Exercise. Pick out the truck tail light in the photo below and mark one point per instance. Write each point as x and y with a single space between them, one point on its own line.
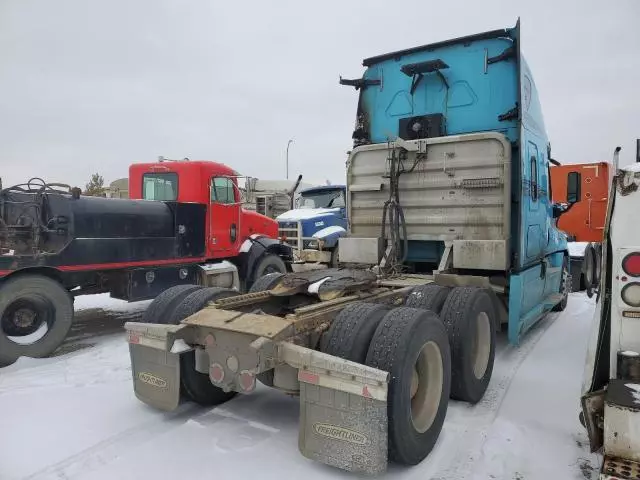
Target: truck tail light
631 294
631 264
247 381
216 373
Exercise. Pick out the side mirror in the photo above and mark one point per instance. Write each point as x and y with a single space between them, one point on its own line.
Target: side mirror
574 180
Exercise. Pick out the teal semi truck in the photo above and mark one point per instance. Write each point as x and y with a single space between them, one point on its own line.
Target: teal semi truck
451 236
451 156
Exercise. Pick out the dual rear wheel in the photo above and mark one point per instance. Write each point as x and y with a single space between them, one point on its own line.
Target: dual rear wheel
440 345
170 308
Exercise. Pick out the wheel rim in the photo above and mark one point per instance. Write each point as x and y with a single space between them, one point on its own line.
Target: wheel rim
27 317
481 345
426 386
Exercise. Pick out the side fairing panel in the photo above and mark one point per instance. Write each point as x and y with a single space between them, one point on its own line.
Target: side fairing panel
532 294
471 93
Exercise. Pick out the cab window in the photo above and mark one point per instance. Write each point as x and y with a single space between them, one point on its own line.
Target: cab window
222 190
323 198
339 201
160 186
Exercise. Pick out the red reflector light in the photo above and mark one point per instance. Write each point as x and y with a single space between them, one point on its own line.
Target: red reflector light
247 381
216 373
631 264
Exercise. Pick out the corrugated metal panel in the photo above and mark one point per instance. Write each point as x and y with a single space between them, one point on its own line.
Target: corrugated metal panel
459 190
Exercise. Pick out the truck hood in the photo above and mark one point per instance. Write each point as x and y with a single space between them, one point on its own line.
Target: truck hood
305 214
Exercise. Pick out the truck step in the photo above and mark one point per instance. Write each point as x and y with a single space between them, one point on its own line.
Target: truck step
619 468
552 300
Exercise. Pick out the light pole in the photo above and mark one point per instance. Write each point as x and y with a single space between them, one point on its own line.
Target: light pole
288 143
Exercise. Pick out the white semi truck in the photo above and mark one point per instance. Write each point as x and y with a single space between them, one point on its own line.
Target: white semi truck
611 389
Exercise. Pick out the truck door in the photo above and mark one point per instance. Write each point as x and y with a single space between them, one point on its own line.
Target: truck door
535 218
224 217
340 202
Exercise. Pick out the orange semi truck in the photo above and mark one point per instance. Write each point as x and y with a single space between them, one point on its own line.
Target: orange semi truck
585 220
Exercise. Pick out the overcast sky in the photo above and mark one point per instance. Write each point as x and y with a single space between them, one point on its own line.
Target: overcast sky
92 86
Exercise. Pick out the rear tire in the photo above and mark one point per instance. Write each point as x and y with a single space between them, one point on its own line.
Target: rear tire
470 319
577 280
412 345
266 282
429 297
6 363
597 249
37 299
565 286
351 331
162 307
270 263
195 385
589 269
335 257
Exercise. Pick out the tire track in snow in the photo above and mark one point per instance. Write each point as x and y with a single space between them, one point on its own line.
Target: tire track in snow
472 426
240 433
105 364
106 451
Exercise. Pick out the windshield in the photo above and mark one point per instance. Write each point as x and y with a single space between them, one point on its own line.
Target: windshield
321 199
160 186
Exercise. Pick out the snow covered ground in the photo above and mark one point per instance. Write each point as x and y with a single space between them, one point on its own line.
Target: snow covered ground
576 249
75 416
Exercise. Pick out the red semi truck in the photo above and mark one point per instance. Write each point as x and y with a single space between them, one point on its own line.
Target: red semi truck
184 224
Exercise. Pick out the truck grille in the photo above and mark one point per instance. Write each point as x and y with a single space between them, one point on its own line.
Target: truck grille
290 231
261 205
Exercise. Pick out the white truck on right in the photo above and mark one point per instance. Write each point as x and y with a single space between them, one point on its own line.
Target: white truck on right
611 390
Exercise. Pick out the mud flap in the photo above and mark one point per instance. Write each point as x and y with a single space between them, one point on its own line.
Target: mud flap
343 411
156 376
155 369
342 429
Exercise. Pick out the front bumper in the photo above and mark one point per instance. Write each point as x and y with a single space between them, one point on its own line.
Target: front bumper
310 256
